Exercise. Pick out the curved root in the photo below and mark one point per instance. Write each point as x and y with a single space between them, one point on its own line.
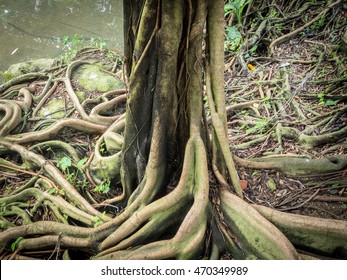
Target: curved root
324 236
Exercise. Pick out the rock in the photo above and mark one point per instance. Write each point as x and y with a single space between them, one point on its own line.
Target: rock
54 109
31 66
90 77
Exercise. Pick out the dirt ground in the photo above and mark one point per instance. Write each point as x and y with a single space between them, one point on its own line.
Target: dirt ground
294 88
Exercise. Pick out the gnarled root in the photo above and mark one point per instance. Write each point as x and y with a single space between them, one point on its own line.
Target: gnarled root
256 236
158 217
324 236
296 165
12 117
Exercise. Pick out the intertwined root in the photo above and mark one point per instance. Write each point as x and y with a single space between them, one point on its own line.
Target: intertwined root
164 135
182 211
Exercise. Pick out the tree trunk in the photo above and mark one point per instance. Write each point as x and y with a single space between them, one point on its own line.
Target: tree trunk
173 58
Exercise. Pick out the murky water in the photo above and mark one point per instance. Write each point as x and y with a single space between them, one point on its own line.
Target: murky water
31 29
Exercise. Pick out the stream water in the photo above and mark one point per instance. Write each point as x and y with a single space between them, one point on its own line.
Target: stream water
31 29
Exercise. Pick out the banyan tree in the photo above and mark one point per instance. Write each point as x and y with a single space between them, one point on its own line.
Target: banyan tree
172 184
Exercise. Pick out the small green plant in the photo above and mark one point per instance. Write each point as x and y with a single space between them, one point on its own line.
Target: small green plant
253 49
8 190
15 244
314 27
97 221
52 191
259 126
233 40
267 105
330 102
103 187
98 43
103 149
321 98
80 163
279 27
65 163
236 7
71 45
114 57
318 24
323 102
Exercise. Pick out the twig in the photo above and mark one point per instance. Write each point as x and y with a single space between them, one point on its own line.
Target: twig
329 198
303 203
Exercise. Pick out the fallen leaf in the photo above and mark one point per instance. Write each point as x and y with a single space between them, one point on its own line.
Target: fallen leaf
251 67
243 184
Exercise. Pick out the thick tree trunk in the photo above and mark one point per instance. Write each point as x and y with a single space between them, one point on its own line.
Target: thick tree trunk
164 62
165 132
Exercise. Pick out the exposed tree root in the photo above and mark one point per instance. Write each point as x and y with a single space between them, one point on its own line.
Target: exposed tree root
12 116
265 241
308 141
327 237
162 176
63 206
20 79
296 165
107 167
55 129
55 174
148 223
56 144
